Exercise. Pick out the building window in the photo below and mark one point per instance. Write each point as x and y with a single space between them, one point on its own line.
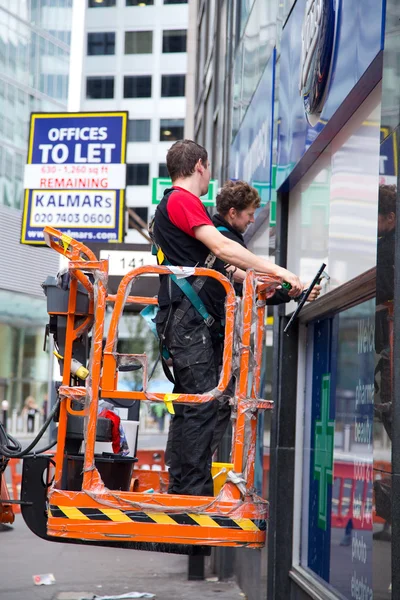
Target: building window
137 174
139 2
172 86
99 87
101 43
174 40
175 1
142 212
100 3
137 86
139 130
138 42
171 130
163 171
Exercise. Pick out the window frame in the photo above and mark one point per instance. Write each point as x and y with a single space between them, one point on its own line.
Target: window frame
130 129
159 174
148 3
137 77
170 76
171 33
137 165
127 33
104 78
105 44
107 4
171 138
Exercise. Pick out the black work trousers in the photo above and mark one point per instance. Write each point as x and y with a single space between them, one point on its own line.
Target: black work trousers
196 353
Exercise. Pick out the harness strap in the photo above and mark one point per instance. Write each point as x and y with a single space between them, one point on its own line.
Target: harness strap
190 291
192 294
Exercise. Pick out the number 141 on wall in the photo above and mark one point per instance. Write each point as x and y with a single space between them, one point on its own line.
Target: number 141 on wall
120 262
133 263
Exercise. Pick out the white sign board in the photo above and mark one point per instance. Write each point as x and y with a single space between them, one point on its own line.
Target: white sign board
86 209
75 177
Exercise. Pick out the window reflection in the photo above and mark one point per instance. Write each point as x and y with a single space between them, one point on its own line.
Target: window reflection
333 210
38 57
258 26
383 380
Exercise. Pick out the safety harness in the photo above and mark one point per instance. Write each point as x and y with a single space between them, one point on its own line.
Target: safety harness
190 291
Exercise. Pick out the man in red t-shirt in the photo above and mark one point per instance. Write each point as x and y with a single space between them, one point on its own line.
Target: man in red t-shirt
185 233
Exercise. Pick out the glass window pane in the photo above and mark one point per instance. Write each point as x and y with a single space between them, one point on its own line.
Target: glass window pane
101 3
139 130
138 42
171 130
326 227
175 1
142 212
139 2
162 170
172 86
101 43
137 174
174 40
99 87
244 11
137 86
338 453
9 165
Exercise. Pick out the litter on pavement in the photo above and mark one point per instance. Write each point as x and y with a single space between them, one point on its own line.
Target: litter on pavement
122 596
46 579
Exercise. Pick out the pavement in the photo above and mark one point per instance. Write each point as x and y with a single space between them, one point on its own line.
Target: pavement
82 572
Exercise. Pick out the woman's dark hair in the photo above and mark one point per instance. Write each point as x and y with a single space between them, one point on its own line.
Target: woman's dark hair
182 158
387 199
236 194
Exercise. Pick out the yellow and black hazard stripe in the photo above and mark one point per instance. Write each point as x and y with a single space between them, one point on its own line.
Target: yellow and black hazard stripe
161 518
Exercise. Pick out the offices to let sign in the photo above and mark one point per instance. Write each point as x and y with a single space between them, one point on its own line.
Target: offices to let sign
75 177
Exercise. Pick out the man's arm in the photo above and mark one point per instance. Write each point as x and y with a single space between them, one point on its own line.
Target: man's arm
233 253
281 296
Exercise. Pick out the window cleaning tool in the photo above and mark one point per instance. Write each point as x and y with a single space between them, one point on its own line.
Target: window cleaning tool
302 299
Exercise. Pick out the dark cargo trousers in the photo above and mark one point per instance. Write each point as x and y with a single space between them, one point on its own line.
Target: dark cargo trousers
196 354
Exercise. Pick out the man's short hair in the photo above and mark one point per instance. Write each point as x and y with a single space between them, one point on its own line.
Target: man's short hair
238 195
387 199
182 158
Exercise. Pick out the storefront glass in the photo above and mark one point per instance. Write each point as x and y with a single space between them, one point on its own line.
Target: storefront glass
333 210
346 205
383 389
383 543
338 452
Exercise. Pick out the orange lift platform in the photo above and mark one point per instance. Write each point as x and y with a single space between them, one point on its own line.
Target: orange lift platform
97 511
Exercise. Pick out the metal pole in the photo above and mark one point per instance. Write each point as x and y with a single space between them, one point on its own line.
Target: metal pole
196 568
4 408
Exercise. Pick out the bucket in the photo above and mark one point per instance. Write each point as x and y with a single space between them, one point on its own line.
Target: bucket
115 471
219 471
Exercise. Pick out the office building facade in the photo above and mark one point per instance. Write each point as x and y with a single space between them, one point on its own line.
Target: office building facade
135 59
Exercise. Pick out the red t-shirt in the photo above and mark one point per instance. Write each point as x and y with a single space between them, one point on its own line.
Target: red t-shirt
186 211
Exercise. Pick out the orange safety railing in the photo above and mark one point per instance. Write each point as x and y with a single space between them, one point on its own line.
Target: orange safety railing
15 466
237 498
